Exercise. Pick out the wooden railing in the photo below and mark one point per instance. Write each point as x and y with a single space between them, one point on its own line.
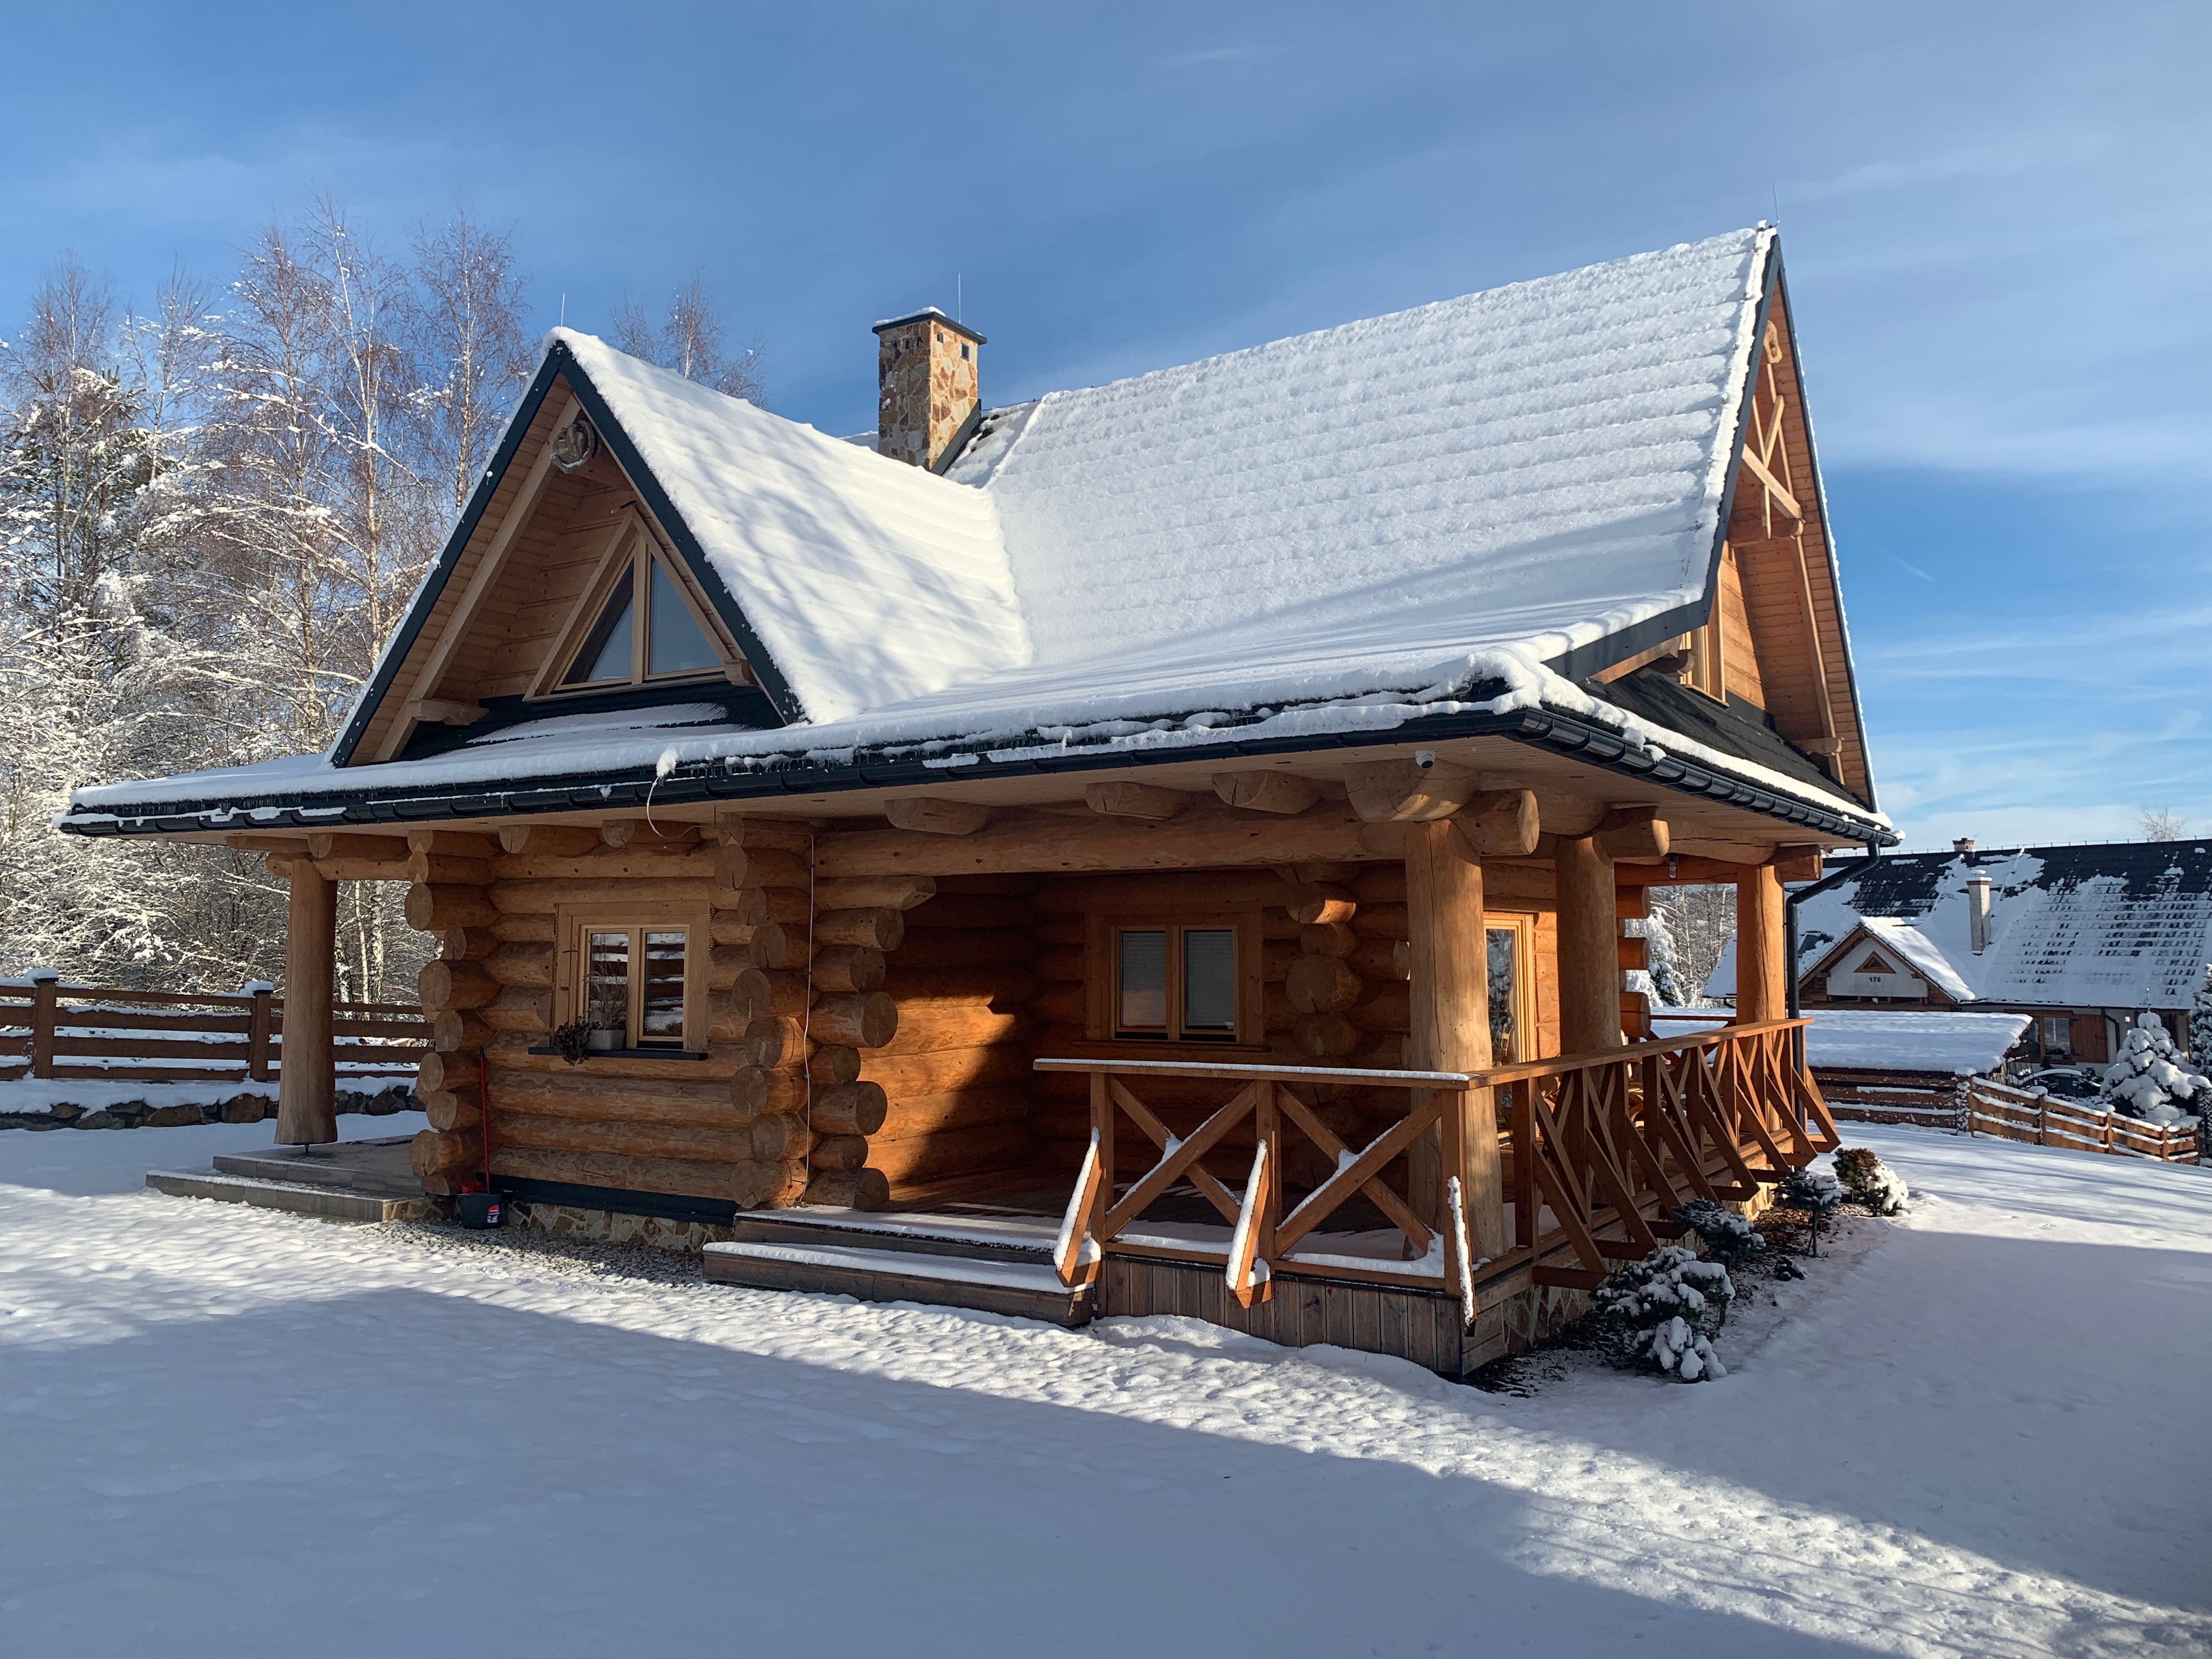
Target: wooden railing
1607 1145
1597 1150
1993 1108
49 1030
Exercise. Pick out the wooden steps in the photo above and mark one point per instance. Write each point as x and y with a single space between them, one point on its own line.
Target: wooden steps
354 1180
331 1202
993 1267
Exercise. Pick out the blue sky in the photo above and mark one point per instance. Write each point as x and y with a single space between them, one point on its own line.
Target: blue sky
1994 215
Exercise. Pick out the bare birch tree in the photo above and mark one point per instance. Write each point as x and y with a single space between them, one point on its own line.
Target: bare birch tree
688 341
471 348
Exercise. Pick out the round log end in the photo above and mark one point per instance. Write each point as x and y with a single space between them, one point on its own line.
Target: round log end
850 1189
434 1154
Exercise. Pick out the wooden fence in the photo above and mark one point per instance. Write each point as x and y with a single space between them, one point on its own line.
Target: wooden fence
1992 1108
1928 1100
49 1030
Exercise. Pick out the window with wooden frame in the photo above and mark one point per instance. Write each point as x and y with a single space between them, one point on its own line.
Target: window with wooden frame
1512 955
636 977
638 624
1191 979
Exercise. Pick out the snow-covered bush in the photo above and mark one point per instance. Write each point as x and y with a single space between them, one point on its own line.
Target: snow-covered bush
1870 1182
1814 1191
2200 1024
1727 1237
1668 1307
1684 1351
2151 1081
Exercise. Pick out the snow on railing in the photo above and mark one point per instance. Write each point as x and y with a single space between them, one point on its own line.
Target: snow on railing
2046 1119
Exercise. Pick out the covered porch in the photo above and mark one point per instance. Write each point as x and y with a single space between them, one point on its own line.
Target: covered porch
1402 1099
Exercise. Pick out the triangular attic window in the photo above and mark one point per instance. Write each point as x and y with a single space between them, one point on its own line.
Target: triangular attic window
674 641
1872 963
606 652
629 644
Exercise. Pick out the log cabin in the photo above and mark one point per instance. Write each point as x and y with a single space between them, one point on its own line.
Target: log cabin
1159 847
2081 939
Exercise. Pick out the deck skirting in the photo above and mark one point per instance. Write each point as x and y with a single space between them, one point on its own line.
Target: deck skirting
1410 1322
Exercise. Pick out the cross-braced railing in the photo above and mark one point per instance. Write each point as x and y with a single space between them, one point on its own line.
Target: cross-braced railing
1605 1146
1596 1150
1263 1238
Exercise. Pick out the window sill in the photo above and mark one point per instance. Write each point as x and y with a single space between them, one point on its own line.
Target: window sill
631 1054
1137 1048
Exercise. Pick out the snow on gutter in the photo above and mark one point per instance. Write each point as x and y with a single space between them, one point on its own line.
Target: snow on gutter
1531 704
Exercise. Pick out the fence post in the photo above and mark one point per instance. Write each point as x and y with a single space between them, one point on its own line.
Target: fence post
45 994
258 1024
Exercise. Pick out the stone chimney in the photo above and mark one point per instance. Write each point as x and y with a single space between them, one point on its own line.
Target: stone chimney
1977 911
1964 846
929 398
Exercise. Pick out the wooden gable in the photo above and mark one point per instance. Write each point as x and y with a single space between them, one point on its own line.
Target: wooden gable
1798 661
522 580
1774 637
1862 968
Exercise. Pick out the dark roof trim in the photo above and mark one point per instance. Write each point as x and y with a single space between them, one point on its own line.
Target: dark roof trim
441 571
1585 661
732 615
724 781
1827 524
559 363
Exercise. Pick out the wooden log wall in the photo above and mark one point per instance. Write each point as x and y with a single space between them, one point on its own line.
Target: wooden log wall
955 1079
1062 1115
634 1122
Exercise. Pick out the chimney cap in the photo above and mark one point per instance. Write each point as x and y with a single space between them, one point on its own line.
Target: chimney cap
1963 845
931 313
1981 876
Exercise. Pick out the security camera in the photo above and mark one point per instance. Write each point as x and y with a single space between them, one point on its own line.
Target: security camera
1424 759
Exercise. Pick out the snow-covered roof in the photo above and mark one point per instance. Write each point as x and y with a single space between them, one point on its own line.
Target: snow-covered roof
1432 512
1911 1040
1921 953
1541 466
871 582
2123 925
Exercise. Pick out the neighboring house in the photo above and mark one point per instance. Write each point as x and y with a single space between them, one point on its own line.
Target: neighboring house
965 823
2079 938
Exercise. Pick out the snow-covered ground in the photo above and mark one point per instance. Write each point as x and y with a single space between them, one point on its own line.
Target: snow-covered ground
230 1431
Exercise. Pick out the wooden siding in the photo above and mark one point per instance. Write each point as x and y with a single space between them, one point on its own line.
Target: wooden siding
383 728
1776 591
1740 673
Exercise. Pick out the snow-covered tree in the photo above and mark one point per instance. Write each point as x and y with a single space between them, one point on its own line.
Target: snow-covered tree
688 340
1660 952
2200 1024
1814 1191
1862 1173
471 350
2150 1080
1727 1237
1699 921
1668 1306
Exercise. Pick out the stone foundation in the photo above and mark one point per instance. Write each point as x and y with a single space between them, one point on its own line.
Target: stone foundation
233 1108
613 1227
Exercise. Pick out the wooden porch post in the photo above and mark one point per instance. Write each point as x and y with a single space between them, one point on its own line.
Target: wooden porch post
307 1077
1762 982
1589 948
1449 957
